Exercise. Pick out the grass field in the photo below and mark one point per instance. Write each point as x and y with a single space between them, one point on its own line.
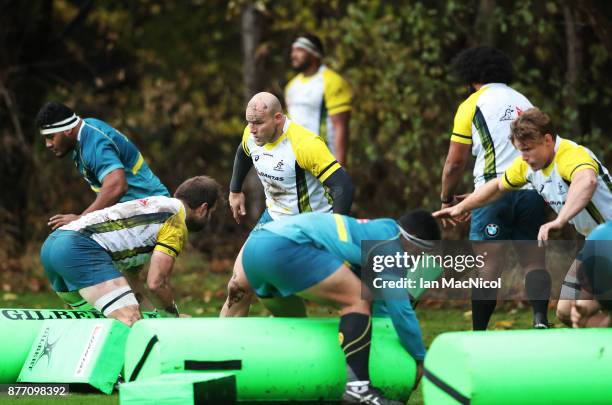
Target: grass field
201 292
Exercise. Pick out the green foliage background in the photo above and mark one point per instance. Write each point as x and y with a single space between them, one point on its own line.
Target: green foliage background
169 74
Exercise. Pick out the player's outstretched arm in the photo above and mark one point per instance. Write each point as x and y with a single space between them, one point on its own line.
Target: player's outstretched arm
489 192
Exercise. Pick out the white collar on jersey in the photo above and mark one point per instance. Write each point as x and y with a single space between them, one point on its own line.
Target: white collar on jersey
286 125
79 134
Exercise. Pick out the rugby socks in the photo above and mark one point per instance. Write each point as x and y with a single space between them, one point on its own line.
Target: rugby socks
537 286
355 336
484 301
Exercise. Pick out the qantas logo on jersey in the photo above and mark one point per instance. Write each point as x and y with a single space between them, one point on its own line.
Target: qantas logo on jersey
267 176
555 203
144 201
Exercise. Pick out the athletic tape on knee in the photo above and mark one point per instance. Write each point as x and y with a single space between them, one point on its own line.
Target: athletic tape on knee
116 299
570 288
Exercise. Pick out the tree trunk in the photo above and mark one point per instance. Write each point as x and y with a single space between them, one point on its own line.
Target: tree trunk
485 26
598 21
574 65
251 37
15 163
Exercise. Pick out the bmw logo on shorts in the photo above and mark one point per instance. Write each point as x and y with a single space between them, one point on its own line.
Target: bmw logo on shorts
492 230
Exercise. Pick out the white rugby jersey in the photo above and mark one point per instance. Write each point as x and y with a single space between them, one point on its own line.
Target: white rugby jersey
553 183
312 100
292 170
483 121
130 231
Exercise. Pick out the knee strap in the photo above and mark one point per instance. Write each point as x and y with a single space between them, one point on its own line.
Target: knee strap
116 299
570 288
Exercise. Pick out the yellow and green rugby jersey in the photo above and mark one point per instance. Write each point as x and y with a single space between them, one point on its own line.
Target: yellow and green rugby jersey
483 121
292 170
132 230
312 100
553 182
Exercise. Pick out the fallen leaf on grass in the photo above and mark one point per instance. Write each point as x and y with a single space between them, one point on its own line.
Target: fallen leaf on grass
9 297
504 324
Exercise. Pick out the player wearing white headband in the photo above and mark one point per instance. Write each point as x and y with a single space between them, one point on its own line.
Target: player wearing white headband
319 98
107 159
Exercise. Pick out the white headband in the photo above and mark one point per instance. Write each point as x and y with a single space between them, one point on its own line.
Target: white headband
60 126
425 244
307 44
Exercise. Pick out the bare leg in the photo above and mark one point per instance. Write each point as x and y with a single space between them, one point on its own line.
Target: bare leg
341 289
127 314
583 312
239 292
344 290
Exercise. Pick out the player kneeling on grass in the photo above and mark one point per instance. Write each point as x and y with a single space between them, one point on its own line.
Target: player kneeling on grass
88 255
595 275
309 255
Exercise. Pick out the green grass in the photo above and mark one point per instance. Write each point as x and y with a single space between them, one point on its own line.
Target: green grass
201 293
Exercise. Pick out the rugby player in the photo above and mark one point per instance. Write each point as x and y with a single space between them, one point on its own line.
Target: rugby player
482 126
298 173
318 256
88 254
595 274
570 178
110 163
318 98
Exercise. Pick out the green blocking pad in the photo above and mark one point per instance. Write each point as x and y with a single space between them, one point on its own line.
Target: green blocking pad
24 324
30 314
77 351
15 342
274 359
562 366
180 389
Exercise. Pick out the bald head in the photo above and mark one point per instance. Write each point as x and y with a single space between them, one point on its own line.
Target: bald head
265 117
266 103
